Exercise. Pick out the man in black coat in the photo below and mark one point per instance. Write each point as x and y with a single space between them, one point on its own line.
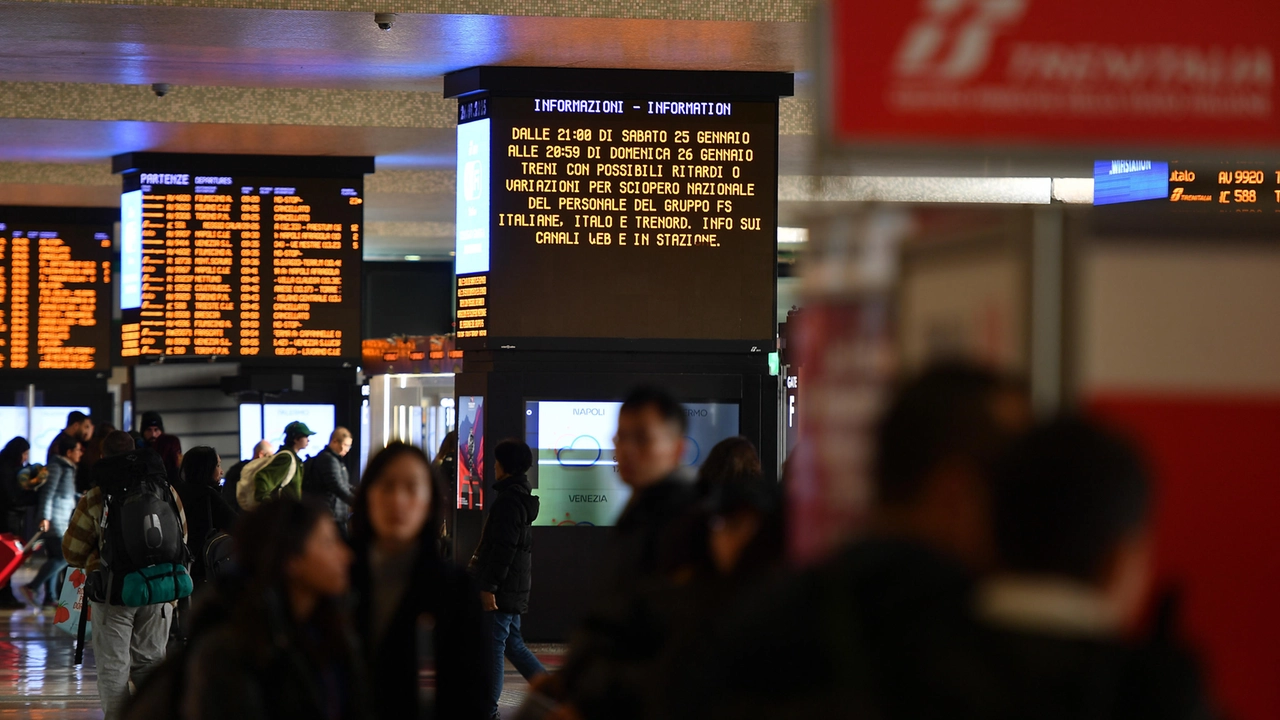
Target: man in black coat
503 562
624 634
327 478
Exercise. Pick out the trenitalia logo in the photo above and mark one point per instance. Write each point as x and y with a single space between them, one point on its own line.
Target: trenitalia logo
953 39
1179 196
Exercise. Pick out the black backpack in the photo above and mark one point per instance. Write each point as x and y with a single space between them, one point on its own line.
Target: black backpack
144 556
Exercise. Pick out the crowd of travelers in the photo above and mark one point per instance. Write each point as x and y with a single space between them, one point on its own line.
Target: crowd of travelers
1003 571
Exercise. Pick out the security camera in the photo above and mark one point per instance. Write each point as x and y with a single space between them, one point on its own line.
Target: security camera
160 89
384 20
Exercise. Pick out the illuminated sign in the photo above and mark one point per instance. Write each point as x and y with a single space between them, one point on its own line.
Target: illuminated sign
472 247
1245 188
240 264
612 217
55 288
1122 181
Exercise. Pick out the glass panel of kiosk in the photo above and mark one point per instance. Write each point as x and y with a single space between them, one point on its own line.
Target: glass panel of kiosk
319 418
575 474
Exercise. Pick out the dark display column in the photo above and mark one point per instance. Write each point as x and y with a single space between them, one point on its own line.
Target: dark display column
614 228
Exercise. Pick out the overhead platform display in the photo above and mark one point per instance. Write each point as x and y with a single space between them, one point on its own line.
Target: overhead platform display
616 205
244 257
55 288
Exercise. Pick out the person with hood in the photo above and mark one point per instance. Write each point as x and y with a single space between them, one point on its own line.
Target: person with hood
503 562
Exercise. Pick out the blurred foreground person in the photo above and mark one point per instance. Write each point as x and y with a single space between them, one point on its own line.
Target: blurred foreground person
414 611
621 636
1072 525
286 650
503 564
883 629
730 459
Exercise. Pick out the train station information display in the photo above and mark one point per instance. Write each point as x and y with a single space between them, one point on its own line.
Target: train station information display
237 257
616 211
55 288
1237 187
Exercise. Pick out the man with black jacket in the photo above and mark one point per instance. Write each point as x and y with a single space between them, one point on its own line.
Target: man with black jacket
328 480
503 562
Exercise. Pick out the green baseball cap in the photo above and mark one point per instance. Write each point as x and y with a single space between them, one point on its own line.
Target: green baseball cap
297 429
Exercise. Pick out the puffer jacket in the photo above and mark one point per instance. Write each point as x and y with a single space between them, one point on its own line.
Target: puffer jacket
503 562
328 480
56 499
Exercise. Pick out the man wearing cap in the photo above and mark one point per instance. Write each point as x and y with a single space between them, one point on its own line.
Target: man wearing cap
283 475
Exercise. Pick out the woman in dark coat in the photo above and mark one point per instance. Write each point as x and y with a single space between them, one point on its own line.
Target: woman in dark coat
414 611
285 650
203 505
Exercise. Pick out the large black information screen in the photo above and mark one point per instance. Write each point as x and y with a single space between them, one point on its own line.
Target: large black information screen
55 289
245 266
610 217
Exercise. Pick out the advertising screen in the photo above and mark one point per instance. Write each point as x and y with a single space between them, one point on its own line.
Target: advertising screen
55 290
575 475
610 217
471 451
13 423
46 423
242 266
320 418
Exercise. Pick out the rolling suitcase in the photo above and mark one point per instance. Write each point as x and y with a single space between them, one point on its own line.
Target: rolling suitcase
12 553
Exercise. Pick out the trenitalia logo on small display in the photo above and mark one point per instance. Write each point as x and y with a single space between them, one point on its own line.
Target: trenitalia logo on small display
1046 69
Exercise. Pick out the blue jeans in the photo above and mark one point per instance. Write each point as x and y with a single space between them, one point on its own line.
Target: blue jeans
508 642
53 564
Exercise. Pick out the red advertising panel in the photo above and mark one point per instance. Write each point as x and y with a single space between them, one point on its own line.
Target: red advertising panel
1176 72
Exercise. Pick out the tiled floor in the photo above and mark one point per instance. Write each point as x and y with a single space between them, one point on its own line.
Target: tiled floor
38 681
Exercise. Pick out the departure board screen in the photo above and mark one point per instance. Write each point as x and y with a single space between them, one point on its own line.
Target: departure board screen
240 266
630 218
55 292
1235 187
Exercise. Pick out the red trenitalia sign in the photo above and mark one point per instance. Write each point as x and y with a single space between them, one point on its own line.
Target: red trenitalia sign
1046 71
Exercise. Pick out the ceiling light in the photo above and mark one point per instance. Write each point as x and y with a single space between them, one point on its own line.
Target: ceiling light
413 258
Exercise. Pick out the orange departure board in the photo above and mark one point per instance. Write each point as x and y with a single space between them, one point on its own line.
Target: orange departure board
248 266
55 288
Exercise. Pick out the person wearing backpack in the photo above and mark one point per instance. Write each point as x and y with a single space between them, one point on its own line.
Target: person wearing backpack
129 535
503 563
210 516
280 474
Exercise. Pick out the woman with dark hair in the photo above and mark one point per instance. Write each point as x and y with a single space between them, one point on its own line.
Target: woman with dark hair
734 457
56 501
414 611
286 650
207 513
13 458
169 448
